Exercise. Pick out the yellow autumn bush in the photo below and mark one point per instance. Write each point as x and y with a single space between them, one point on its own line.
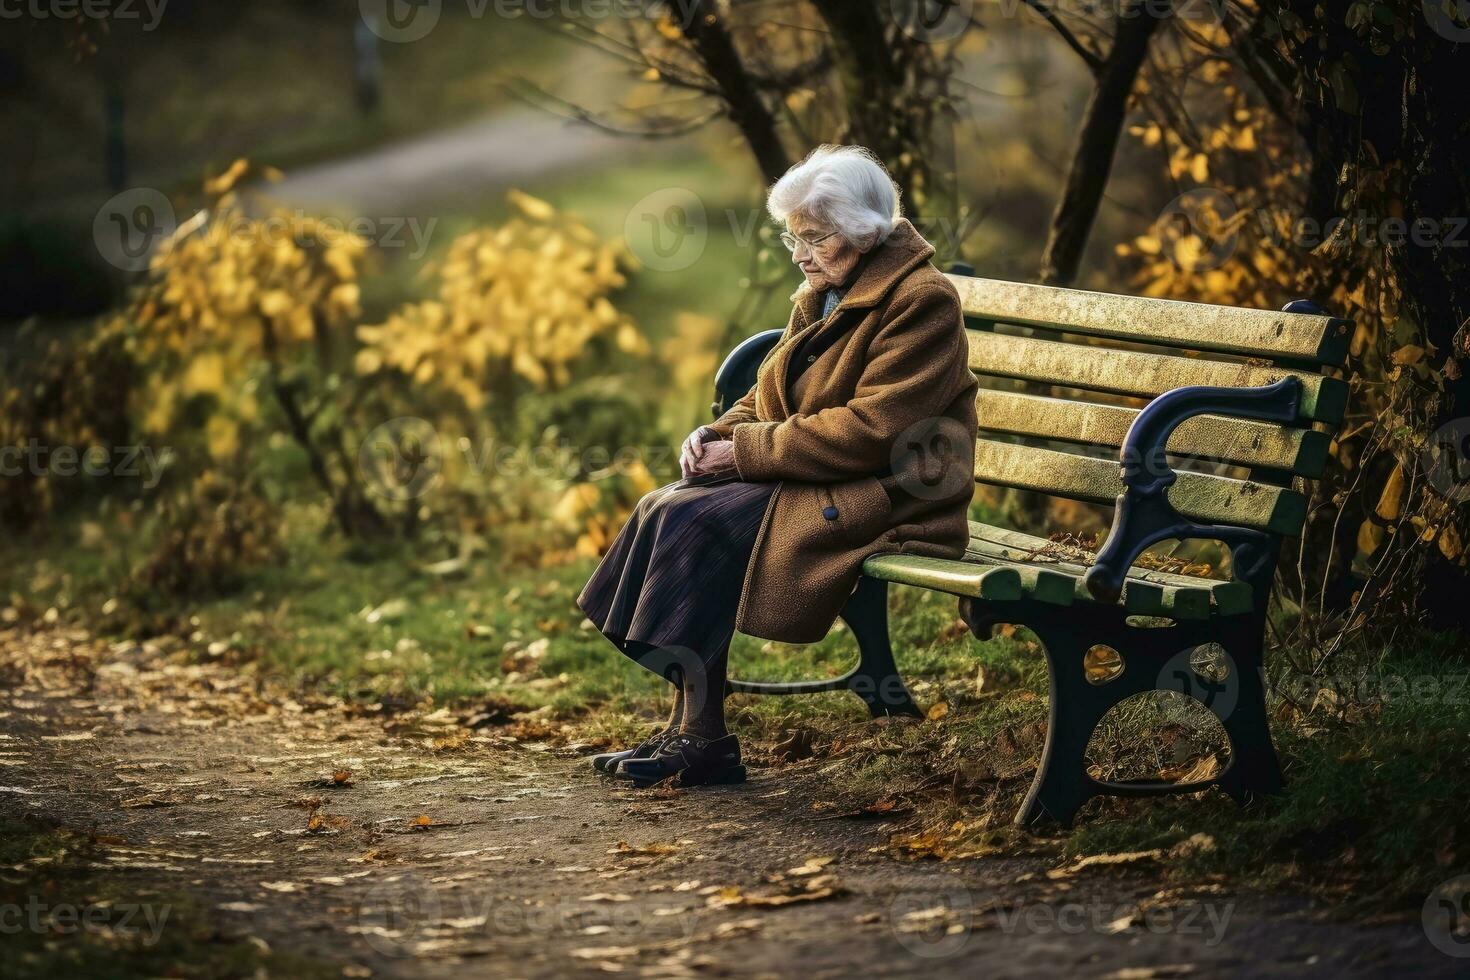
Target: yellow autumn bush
523 300
235 331
229 295
245 337
518 333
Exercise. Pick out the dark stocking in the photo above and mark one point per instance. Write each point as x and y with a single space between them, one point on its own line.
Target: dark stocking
704 699
672 673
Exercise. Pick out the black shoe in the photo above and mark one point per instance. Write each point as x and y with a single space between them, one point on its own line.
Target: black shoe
696 761
606 762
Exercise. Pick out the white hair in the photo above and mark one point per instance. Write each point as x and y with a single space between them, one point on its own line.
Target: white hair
844 187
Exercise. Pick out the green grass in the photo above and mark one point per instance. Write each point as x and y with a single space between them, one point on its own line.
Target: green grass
307 622
1374 807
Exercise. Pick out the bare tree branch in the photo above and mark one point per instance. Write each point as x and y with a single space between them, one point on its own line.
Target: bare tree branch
661 128
1093 60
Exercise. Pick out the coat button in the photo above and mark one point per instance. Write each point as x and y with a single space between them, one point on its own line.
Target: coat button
830 513
810 358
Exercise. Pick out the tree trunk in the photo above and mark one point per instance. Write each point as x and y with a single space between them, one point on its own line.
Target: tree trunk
872 86
712 44
1102 123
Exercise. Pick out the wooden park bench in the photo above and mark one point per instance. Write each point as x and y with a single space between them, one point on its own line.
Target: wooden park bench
1081 394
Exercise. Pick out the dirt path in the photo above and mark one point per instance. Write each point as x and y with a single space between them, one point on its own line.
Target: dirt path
457 163
414 846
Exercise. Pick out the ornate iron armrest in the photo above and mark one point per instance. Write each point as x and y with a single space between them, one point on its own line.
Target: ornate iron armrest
736 375
1145 515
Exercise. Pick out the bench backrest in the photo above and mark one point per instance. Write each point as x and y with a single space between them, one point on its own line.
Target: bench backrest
1070 369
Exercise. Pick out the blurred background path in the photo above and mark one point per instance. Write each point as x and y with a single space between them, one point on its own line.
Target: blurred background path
513 146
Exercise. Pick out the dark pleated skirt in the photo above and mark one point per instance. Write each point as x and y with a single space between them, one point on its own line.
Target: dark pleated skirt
673 576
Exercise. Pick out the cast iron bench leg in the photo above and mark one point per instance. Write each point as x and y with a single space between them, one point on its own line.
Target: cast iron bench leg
1075 707
1062 784
875 679
1254 770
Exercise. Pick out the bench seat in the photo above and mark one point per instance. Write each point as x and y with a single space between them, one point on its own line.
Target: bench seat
1002 565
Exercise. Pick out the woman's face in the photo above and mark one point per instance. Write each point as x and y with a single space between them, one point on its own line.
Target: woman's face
830 261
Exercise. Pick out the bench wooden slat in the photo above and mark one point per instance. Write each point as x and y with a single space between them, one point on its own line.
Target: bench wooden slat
1055 581
1196 326
1247 443
1146 592
1025 544
1126 372
1210 499
996 583
1139 597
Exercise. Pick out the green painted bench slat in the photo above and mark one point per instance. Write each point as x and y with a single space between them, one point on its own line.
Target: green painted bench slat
1139 597
995 583
1126 372
1025 543
1196 326
1210 499
1246 443
1056 581
1147 592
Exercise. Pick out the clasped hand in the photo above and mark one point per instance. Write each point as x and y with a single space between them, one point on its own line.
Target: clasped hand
704 453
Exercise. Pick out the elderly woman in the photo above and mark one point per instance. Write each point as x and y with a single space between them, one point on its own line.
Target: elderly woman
858 437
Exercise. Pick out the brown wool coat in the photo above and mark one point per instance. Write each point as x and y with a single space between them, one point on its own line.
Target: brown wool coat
859 467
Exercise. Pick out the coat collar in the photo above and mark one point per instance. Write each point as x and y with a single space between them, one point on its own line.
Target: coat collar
895 257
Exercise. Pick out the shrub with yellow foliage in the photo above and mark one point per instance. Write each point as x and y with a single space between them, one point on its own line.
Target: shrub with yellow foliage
237 308
520 335
518 306
245 334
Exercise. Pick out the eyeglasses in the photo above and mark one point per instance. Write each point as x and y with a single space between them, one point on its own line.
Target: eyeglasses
791 241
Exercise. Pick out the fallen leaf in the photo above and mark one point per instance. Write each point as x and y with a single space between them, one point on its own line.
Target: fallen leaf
1106 860
813 865
623 847
608 952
